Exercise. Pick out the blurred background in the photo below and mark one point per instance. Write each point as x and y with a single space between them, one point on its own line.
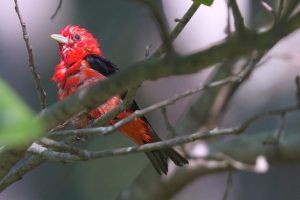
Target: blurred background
124 28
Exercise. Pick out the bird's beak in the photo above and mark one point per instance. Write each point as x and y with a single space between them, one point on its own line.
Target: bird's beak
59 38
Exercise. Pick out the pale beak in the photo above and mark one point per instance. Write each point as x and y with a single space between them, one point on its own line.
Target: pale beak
59 38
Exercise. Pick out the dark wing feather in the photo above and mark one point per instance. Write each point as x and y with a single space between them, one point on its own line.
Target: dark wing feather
158 158
102 65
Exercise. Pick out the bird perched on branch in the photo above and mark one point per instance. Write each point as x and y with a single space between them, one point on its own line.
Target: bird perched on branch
82 64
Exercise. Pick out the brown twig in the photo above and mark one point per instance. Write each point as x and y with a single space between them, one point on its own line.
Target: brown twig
238 18
178 28
297 81
280 9
168 124
35 74
57 9
229 182
163 29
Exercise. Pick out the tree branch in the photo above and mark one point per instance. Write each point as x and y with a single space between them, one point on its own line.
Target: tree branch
162 26
238 18
140 113
88 155
178 28
35 74
57 10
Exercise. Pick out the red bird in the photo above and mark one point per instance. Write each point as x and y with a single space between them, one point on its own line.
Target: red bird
82 64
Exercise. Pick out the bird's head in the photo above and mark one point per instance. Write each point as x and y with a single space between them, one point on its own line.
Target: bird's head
75 43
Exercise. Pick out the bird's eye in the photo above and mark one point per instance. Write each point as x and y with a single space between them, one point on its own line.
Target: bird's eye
77 37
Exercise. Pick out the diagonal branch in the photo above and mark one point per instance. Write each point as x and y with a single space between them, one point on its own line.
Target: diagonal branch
238 18
57 9
178 28
163 29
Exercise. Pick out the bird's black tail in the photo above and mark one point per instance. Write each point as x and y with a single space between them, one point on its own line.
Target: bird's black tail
159 159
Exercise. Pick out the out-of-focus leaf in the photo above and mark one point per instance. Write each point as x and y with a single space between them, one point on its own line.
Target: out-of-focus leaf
17 123
205 2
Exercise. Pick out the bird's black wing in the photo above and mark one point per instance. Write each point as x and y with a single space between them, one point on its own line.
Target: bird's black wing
102 65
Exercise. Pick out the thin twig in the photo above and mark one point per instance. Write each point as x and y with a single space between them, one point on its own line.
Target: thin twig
228 26
57 9
34 72
281 126
229 182
297 81
280 9
281 111
168 124
238 18
163 29
248 68
289 8
178 28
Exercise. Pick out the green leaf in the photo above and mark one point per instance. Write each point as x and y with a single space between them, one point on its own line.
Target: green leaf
204 2
17 124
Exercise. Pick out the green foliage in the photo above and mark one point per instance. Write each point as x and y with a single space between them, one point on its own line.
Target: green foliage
205 2
17 123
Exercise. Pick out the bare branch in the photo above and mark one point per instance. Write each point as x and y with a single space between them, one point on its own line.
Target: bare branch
56 156
238 18
289 8
35 74
281 126
280 8
62 147
228 25
169 126
297 81
163 29
18 173
228 186
57 9
85 155
178 28
37 149
140 113
281 111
